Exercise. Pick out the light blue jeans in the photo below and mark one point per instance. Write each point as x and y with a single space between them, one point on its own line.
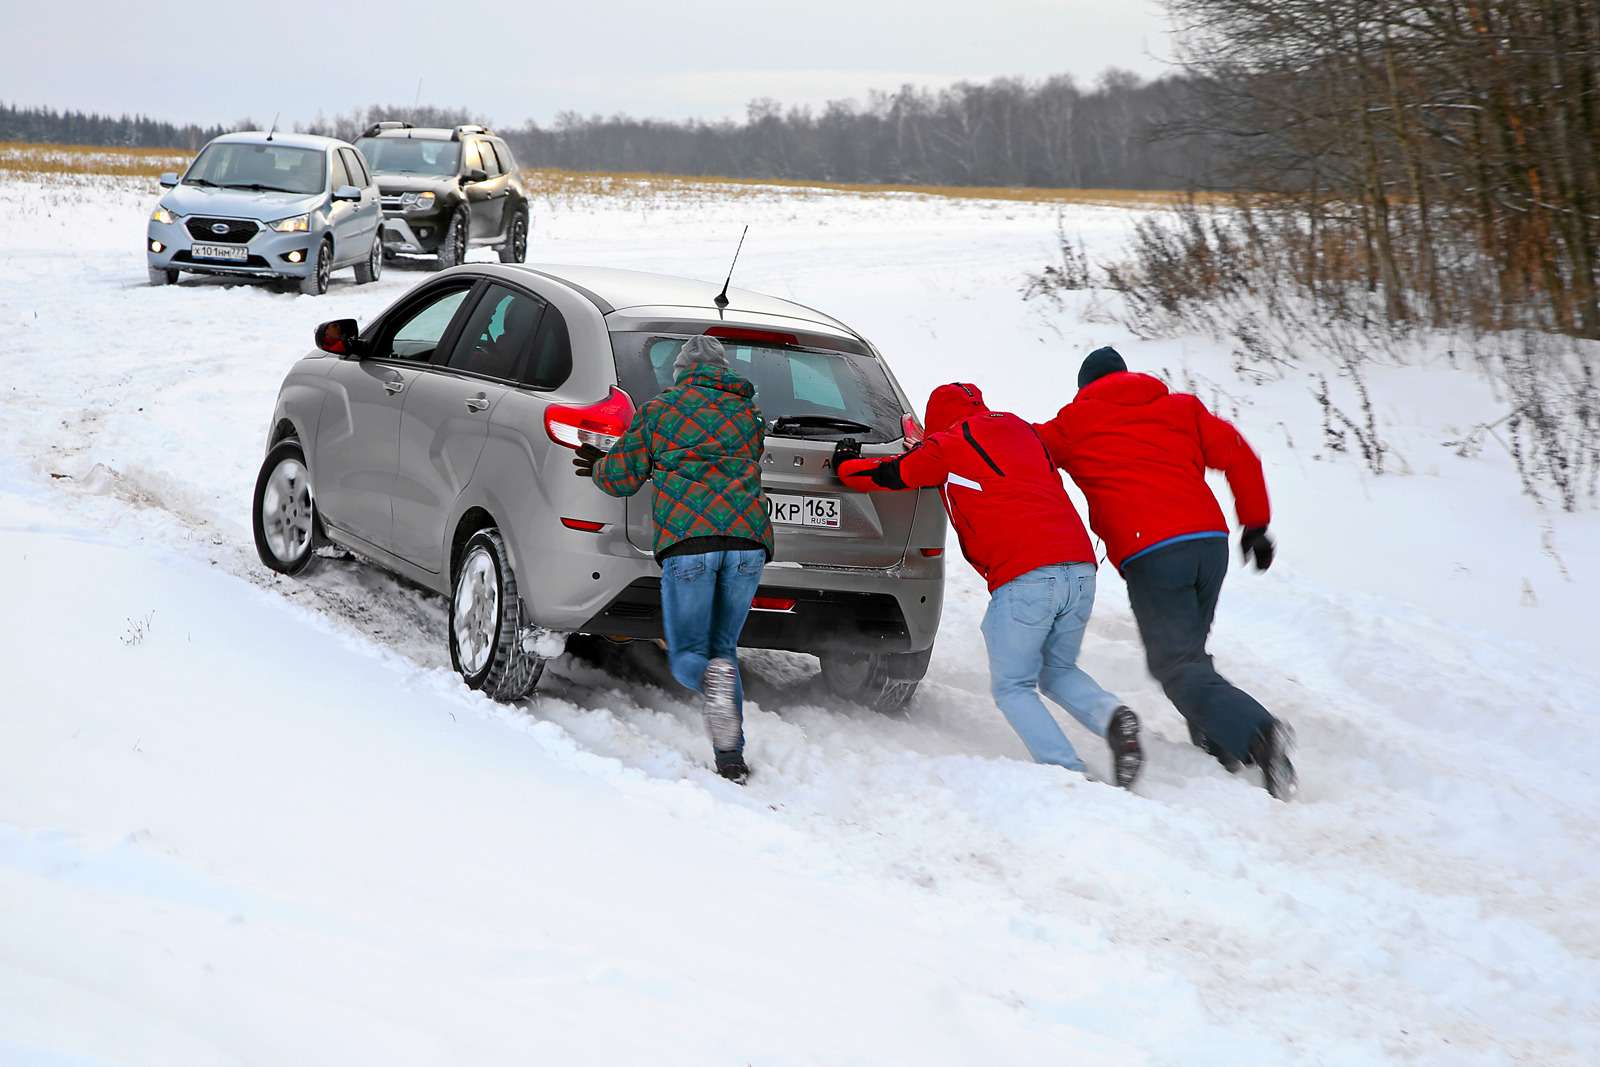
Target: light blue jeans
705 597
1034 629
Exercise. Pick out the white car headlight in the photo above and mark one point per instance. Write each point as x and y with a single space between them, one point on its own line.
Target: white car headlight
296 224
163 214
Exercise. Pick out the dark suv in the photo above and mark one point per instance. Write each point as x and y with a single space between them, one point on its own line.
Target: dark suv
445 191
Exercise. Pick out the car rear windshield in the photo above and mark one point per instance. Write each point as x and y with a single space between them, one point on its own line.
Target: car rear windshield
405 155
265 167
803 391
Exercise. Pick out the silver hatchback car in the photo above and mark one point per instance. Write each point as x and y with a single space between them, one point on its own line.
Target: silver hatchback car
269 205
437 443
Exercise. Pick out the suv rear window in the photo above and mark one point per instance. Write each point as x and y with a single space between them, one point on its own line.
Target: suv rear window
819 393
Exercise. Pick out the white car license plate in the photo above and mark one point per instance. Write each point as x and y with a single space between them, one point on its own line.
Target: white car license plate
234 252
794 510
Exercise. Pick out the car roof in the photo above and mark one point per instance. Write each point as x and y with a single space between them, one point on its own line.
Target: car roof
613 289
291 140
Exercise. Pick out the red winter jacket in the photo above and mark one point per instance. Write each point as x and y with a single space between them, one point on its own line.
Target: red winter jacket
1140 454
1002 492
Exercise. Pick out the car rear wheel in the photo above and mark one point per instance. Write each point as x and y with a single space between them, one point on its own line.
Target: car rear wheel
453 247
486 622
288 529
316 283
163 277
373 267
883 681
515 250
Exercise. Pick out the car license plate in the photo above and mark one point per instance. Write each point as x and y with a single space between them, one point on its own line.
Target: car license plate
792 510
234 252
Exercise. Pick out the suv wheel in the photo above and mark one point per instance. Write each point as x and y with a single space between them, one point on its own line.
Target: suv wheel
316 283
515 250
163 277
373 267
453 248
486 622
284 513
884 681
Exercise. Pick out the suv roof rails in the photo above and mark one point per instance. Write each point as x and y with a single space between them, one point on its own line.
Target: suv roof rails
377 127
468 128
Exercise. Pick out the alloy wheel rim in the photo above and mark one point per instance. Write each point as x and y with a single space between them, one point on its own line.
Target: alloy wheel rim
519 242
324 270
287 511
461 242
477 610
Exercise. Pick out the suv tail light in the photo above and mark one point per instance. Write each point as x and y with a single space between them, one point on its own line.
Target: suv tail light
912 430
601 424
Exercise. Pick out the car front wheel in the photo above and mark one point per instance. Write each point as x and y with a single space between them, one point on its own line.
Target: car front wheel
486 622
288 529
883 681
453 246
316 283
370 270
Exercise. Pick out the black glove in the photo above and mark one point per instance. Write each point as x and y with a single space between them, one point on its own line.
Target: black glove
583 462
844 451
1255 542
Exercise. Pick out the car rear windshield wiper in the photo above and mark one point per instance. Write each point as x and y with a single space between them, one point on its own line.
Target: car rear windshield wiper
822 423
257 187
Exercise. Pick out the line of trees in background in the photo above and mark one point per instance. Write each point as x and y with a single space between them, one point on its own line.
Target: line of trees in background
1442 154
1007 131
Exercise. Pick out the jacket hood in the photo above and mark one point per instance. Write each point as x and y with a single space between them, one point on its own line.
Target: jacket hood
949 404
1126 388
239 203
708 376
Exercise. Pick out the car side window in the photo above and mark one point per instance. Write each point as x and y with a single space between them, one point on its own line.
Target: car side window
497 340
419 330
550 362
507 164
470 159
355 168
491 165
340 175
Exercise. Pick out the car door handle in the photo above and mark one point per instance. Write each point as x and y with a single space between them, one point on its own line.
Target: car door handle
477 403
394 385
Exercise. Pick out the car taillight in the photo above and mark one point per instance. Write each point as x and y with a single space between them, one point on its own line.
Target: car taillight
760 337
932 553
912 429
582 525
773 603
601 424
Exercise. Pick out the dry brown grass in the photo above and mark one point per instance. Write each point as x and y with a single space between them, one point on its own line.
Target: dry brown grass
562 185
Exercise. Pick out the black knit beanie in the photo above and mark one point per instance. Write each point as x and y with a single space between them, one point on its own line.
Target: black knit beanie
1098 364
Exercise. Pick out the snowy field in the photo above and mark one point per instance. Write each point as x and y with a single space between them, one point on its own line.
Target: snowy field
245 820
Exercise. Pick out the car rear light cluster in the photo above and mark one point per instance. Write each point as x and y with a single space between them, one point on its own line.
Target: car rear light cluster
582 525
758 337
773 603
600 424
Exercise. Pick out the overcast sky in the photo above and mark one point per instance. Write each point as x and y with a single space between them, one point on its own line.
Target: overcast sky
513 60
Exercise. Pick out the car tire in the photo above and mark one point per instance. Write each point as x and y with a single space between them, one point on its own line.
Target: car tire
515 250
453 245
284 515
486 622
369 272
163 277
883 681
316 283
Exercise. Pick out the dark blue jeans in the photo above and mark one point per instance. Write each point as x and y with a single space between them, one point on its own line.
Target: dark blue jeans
1173 592
705 597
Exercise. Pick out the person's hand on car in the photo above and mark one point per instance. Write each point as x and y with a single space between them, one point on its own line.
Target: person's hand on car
845 451
583 463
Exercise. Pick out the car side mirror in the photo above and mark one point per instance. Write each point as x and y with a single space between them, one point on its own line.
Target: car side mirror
346 192
342 337
477 174
169 180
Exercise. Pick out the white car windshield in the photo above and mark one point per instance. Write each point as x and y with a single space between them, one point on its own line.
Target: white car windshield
260 167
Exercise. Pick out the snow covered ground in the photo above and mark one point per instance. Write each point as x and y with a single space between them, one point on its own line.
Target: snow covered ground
249 820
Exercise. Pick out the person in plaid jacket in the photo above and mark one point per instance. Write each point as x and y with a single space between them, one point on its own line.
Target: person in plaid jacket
700 444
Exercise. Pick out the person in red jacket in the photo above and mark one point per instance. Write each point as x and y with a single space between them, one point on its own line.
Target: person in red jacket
1018 528
1140 454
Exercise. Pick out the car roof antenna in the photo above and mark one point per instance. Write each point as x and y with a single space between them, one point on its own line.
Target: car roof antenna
722 298
274 127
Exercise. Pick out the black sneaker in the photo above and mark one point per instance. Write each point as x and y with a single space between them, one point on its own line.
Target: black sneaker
1201 741
1127 757
731 765
1270 752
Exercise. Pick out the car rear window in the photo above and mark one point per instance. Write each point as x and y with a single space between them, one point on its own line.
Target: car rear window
818 392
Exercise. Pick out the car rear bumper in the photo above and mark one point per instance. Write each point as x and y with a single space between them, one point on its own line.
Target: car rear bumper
266 253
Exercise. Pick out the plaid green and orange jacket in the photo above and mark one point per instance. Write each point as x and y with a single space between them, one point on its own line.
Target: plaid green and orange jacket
700 442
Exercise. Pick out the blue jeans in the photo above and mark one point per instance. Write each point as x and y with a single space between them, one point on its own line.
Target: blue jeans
705 597
1034 629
